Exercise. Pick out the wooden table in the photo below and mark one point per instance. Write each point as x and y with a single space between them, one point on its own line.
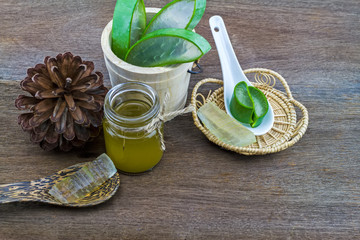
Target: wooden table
199 191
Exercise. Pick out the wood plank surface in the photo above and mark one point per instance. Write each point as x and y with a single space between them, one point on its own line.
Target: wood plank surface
199 191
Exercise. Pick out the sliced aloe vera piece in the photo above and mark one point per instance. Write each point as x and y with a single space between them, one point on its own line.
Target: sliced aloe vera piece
87 179
167 46
261 105
224 127
129 22
241 104
184 14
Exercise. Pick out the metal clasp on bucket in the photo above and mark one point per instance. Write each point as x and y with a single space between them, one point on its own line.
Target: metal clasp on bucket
198 66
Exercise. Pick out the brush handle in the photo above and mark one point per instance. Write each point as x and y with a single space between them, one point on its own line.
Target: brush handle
18 192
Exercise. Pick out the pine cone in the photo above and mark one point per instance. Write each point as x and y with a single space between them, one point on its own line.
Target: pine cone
66 102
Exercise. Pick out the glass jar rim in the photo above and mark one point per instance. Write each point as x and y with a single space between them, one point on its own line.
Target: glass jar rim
131 87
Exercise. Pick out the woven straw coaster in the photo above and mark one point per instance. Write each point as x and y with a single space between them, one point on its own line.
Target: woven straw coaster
287 129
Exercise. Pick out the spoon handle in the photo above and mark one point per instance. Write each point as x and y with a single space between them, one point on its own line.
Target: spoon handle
17 192
229 64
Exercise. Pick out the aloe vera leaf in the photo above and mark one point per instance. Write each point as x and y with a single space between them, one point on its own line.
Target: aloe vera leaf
167 46
261 105
224 127
241 104
129 21
185 14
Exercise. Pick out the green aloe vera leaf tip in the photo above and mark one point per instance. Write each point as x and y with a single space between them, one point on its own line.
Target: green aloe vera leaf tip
185 14
129 22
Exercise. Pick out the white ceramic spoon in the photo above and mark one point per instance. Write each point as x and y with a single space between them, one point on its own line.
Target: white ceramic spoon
232 73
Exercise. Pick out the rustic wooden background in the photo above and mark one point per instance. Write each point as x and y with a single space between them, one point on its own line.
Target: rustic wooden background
199 191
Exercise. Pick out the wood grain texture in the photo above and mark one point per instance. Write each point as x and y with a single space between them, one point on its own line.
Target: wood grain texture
198 191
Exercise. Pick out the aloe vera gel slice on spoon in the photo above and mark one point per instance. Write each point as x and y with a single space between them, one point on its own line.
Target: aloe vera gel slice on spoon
233 73
167 46
84 181
185 14
129 22
261 105
248 104
241 105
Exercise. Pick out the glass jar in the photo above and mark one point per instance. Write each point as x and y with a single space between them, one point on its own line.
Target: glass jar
131 140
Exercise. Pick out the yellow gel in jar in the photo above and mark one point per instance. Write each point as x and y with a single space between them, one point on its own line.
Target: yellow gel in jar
131 140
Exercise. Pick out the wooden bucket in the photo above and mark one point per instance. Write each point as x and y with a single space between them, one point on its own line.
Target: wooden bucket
173 79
